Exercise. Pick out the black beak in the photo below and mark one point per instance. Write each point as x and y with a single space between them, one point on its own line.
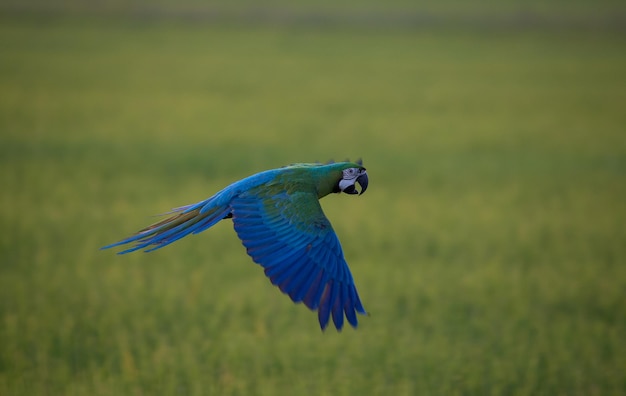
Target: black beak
362 180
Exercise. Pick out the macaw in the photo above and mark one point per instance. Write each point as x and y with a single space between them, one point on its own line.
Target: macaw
278 217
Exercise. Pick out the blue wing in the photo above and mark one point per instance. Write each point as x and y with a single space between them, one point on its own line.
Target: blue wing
289 235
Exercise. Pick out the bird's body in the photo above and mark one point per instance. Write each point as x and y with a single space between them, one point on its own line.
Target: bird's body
277 216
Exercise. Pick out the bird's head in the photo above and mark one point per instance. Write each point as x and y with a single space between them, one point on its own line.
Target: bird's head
349 178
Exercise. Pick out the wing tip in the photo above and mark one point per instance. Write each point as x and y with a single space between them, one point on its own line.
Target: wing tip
337 303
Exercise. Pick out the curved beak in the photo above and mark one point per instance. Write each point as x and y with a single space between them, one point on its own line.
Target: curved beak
362 180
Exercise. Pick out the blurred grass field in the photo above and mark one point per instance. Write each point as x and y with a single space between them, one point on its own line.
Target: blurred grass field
490 248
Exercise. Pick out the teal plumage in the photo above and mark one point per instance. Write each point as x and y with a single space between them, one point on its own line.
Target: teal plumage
277 216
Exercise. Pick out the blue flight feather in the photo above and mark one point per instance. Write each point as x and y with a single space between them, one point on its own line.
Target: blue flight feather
337 306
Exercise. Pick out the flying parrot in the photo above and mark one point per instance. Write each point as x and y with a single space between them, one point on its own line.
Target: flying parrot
278 217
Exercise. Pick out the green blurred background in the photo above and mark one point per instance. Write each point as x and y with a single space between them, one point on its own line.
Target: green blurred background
490 248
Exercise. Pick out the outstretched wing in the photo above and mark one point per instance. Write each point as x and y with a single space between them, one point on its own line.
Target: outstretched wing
288 234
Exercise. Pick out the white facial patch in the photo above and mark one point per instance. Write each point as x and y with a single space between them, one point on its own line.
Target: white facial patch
349 178
343 183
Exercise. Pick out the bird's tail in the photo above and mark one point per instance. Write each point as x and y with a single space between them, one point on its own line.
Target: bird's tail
185 220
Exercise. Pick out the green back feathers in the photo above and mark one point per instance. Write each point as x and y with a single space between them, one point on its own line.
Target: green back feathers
322 177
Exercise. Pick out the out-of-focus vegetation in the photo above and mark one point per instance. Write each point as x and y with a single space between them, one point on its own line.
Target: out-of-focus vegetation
489 247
